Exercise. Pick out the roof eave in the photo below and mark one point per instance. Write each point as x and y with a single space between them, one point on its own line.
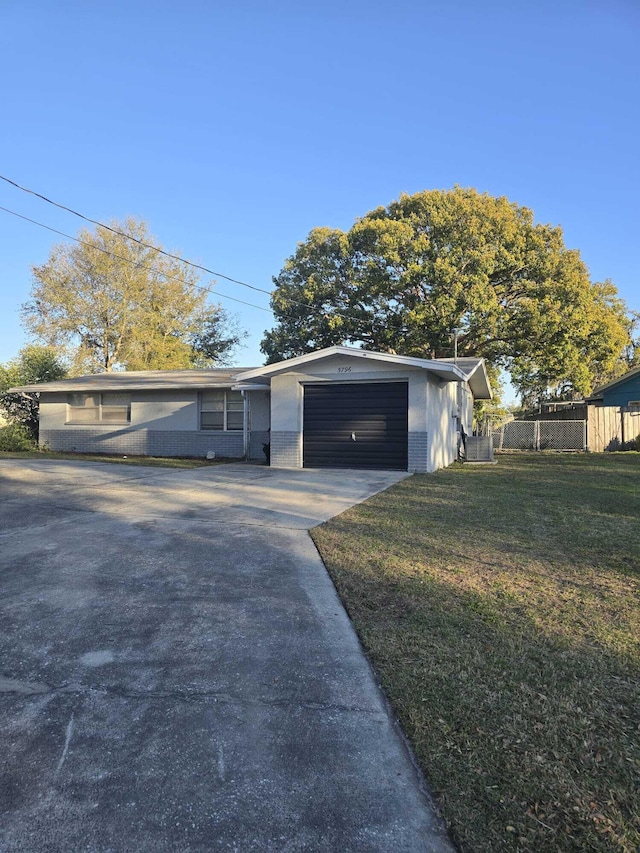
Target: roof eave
447 371
598 393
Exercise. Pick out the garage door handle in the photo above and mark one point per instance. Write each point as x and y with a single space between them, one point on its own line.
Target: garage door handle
353 436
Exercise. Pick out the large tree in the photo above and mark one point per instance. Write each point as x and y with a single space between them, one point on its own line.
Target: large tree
116 303
32 364
405 276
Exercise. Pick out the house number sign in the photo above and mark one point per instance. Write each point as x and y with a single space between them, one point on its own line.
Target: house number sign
344 370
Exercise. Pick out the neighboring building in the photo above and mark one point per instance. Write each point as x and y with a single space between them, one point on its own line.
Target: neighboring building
614 413
623 392
338 407
611 415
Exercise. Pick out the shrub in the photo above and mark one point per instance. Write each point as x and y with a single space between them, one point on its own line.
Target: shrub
15 437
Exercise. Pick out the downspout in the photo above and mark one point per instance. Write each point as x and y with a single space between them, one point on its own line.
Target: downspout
245 423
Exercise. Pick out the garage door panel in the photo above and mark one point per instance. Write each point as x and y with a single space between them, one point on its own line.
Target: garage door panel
375 413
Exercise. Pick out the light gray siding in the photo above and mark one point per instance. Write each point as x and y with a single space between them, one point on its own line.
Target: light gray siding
259 410
163 423
158 410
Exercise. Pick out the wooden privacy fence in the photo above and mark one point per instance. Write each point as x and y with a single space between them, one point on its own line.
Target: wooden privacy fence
611 428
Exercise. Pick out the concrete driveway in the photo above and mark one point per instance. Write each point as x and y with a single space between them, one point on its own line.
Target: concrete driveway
177 673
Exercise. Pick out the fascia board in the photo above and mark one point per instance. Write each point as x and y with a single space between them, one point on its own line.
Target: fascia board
445 370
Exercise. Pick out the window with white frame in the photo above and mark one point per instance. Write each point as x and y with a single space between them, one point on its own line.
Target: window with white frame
110 407
221 410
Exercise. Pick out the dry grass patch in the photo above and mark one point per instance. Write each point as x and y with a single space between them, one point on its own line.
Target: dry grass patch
149 461
500 607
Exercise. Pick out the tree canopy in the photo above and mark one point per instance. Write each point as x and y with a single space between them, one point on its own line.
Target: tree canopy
32 364
405 276
115 303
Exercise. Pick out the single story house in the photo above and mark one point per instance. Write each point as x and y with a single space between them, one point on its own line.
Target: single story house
337 407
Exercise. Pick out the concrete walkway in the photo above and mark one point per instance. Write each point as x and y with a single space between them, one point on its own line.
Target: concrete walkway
177 673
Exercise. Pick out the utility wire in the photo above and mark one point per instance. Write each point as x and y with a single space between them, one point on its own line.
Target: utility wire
133 263
135 239
161 251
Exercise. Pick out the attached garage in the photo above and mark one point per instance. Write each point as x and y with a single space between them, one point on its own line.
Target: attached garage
343 407
356 425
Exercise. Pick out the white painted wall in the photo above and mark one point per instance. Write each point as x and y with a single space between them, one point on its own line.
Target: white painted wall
442 402
418 383
466 407
286 402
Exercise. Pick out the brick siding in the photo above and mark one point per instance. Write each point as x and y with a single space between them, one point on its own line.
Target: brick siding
285 449
143 442
418 447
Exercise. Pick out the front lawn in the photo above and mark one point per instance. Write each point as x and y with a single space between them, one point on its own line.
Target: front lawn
500 608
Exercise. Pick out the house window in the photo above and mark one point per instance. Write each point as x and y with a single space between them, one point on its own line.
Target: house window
109 407
222 410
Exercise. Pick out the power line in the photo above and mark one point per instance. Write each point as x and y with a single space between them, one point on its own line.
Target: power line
135 239
133 263
162 251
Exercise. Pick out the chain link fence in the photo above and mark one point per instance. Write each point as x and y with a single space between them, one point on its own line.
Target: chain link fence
540 435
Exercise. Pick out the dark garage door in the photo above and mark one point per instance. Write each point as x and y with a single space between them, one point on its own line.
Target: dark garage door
356 425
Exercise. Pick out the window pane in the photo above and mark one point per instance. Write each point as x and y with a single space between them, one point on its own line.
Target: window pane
83 408
235 402
115 413
84 400
212 401
234 420
116 407
115 399
79 415
211 420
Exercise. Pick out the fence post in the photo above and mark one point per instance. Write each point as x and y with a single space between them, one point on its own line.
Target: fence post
536 435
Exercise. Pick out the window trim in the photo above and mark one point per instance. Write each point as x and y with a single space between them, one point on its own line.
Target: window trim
225 411
99 420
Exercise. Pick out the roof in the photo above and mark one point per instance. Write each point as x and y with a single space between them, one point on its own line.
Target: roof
598 393
143 380
471 370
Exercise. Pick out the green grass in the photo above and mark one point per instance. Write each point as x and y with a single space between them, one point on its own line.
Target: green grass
500 608
150 461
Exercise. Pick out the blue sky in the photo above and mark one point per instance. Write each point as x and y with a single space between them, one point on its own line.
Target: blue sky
235 128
